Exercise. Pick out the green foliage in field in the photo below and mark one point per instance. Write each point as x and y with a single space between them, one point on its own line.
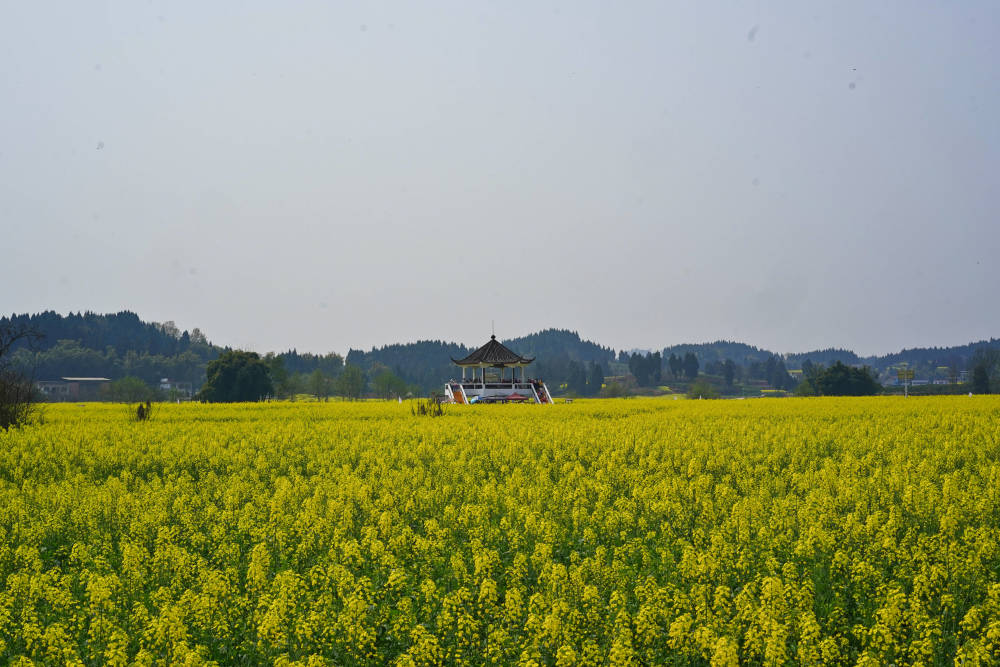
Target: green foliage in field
834 531
237 376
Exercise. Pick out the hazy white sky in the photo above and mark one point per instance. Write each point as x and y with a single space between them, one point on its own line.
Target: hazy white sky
330 175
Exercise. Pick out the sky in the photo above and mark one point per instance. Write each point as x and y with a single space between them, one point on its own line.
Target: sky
325 176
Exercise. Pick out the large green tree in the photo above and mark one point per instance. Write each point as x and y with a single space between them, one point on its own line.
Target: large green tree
841 380
237 376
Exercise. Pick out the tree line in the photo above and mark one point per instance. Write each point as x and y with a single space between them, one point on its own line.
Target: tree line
238 375
136 355
120 346
651 369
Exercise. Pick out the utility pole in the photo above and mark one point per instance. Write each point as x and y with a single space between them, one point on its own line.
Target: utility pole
905 375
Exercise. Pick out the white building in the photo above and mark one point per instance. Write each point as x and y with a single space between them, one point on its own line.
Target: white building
183 389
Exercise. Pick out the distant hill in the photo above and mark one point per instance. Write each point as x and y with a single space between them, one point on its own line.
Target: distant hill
744 354
958 355
425 363
123 331
926 358
113 346
118 344
825 357
721 350
554 343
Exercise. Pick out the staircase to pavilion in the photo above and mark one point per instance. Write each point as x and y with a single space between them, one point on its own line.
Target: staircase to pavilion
457 393
541 393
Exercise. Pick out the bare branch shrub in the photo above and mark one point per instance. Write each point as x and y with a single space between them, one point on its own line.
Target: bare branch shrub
18 396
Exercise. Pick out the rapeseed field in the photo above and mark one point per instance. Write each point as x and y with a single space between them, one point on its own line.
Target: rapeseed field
644 531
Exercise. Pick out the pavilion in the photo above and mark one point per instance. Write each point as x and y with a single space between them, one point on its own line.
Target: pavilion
484 378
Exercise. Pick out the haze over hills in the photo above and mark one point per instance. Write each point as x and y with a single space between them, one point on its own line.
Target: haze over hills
120 344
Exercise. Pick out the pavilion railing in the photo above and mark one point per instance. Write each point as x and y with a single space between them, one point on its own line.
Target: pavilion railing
496 385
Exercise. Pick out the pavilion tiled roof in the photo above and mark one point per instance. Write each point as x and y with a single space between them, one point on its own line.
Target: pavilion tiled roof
494 354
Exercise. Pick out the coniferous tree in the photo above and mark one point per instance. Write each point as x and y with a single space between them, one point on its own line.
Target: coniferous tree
639 368
576 381
676 365
690 366
980 379
728 372
655 361
776 374
596 379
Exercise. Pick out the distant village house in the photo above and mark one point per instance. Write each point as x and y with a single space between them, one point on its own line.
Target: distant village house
182 389
74 389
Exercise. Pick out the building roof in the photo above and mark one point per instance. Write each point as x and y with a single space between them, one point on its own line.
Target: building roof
493 354
87 379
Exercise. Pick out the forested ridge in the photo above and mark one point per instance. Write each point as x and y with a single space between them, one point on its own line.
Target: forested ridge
119 345
111 345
